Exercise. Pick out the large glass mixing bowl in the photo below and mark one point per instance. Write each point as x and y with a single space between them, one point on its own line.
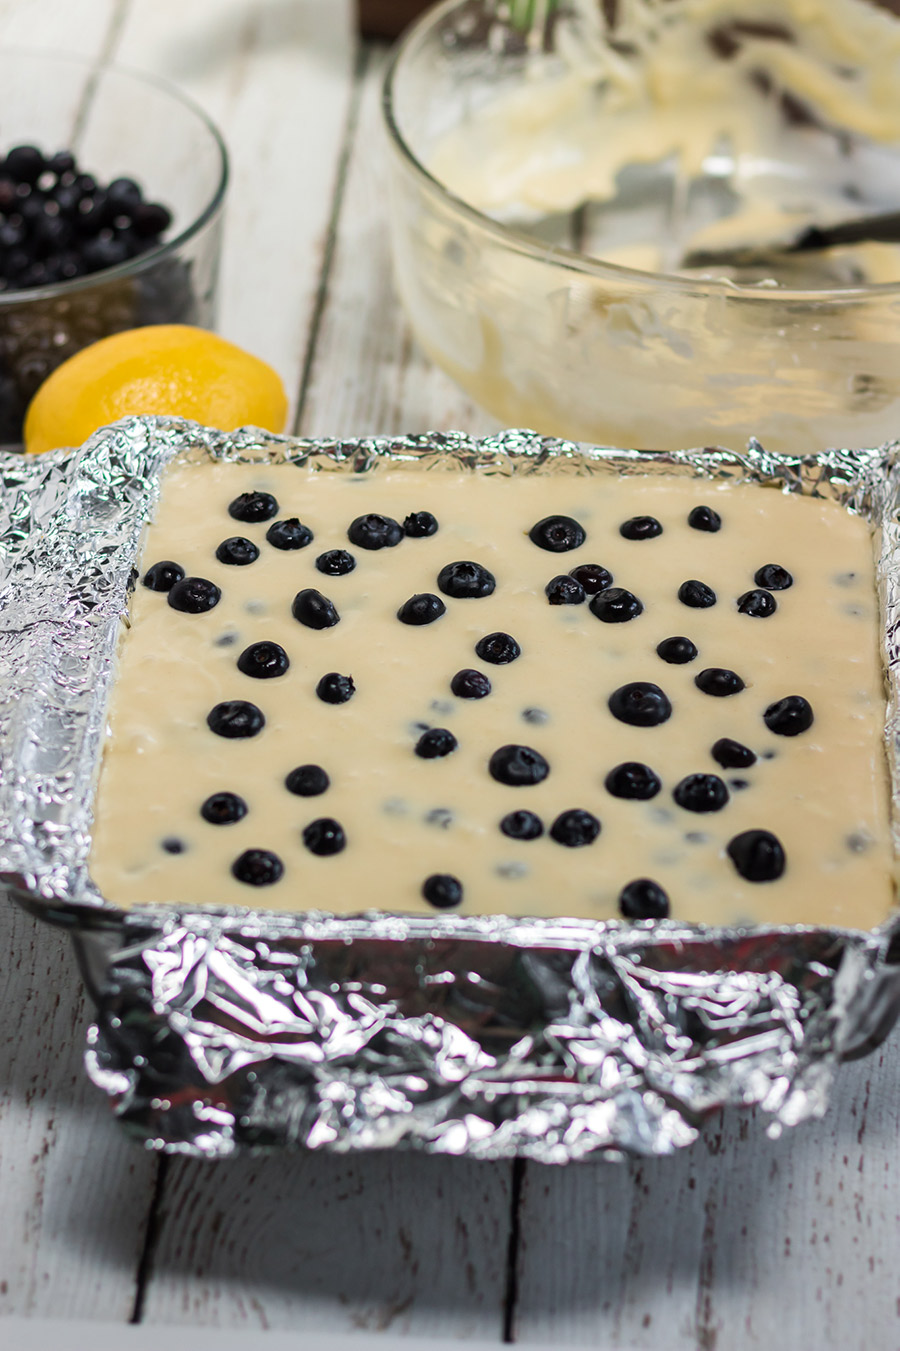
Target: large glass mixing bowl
543 335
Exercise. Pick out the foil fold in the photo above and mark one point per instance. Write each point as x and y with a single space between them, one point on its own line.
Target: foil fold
223 1030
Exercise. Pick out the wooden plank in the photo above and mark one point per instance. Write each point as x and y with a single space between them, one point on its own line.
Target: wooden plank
376 1242
277 79
739 1242
75 1193
368 374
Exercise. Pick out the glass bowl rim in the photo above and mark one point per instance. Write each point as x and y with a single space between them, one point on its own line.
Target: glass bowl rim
518 241
132 266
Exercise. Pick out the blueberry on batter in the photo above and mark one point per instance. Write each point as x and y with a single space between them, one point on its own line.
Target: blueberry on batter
171 845
701 793
253 508
335 562
557 534
420 524
696 594
757 855
719 682
442 890
375 532
423 608
263 661
575 828
773 577
704 518
314 610
592 577
237 551
465 580
758 604
258 868
640 527
732 754
470 684
643 899
236 719
163 576
640 704
307 781
564 590
194 595
223 809
615 605
334 688
633 780
498 648
677 651
518 766
436 743
522 825
289 534
789 716
324 836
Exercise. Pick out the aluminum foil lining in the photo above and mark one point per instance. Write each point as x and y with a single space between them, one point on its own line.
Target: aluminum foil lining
490 1037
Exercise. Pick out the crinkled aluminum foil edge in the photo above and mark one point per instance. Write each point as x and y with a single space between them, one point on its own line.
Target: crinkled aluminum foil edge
485 1037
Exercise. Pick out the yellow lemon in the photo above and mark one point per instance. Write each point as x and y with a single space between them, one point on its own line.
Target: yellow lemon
163 368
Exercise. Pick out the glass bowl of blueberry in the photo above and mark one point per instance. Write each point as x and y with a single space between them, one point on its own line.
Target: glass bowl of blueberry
112 186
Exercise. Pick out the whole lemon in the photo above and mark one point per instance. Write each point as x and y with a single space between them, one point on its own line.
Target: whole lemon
163 368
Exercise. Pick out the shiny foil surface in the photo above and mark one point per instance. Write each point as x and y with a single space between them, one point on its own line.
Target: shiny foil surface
552 1039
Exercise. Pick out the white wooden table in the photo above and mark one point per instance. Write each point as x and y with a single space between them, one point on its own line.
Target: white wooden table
740 1242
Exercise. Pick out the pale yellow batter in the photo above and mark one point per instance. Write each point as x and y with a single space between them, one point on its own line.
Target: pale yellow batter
823 793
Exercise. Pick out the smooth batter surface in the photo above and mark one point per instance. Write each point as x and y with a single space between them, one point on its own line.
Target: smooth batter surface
823 793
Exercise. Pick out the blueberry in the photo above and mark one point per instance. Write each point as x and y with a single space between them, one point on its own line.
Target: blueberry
289 534
237 551
222 809
307 781
236 718
732 755
564 590
24 163
789 716
194 595
253 507
150 219
640 704
640 527
163 576
466 581
701 793
719 682
522 825
258 868
773 577
335 562
63 162
124 193
314 610
757 855
263 661
469 684
375 532
518 766
442 890
643 899
757 604
498 648
335 689
557 534
419 524
324 836
592 577
171 845
423 608
696 594
575 828
616 606
633 780
436 743
704 518
677 651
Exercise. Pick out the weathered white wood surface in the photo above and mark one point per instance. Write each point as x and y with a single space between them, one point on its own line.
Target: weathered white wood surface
737 1244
